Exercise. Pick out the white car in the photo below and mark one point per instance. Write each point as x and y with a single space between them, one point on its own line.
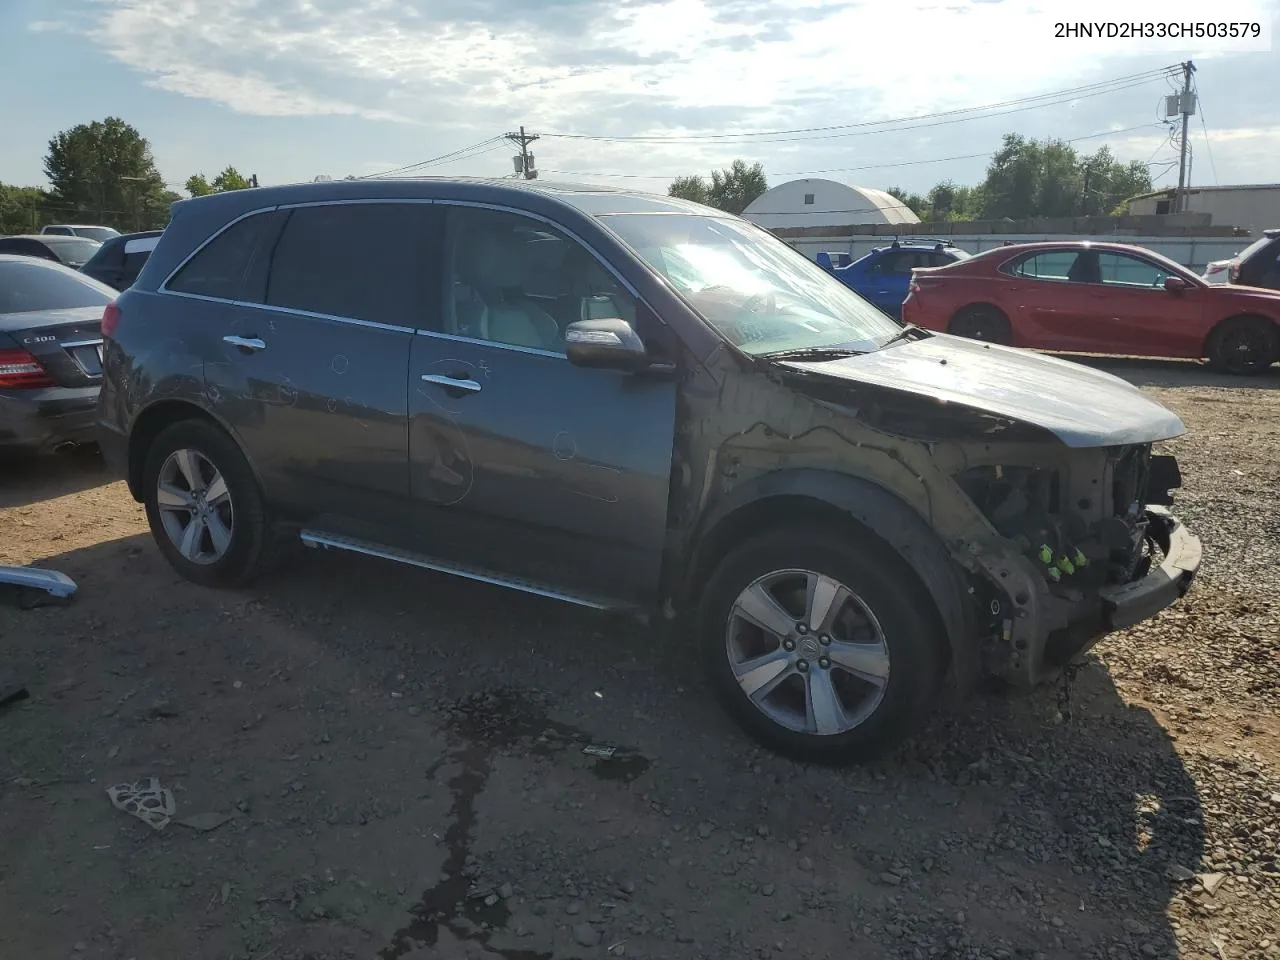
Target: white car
1218 271
90 232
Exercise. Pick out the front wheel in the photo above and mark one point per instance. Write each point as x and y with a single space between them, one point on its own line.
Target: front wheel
819 646
204 506
1243 345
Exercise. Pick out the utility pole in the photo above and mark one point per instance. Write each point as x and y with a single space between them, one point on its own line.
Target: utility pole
524 163
1186 107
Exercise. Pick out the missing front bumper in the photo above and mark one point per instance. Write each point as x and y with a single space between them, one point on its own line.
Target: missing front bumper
1047 631
1130 603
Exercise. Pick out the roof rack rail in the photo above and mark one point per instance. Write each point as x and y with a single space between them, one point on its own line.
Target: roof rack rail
937 241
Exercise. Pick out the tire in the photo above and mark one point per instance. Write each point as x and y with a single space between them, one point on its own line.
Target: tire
1245 346
234 542
982 322
872 717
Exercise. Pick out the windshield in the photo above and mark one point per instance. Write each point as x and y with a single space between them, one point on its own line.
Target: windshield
1252 248
27 285
101 234
761 295
74 251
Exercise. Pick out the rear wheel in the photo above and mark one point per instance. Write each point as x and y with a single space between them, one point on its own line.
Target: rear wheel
982 322
819 647
1243 345
204 506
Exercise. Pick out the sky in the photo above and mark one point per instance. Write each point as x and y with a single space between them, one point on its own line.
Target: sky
292 89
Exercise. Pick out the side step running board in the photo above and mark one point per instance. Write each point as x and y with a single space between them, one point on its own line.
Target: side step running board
331 541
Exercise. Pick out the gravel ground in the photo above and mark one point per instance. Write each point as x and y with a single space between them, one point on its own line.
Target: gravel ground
378 762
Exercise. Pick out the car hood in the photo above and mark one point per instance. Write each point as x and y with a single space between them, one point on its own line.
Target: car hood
1081 406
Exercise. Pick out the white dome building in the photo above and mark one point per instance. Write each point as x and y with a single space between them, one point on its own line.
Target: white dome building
825 203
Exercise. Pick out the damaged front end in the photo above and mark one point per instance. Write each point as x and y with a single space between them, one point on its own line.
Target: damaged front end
1086 546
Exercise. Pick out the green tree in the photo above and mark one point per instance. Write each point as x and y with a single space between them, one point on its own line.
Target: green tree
912 201
731 189
104 172
229 179
198 186
689 188
23 209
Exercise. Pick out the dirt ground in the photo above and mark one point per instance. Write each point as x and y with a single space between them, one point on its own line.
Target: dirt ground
379 762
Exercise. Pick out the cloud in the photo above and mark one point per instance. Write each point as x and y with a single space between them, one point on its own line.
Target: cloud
471 68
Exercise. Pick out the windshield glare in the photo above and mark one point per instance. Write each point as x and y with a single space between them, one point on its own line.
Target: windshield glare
761 295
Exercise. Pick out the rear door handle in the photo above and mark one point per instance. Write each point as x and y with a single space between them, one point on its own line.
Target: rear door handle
252 344
449 382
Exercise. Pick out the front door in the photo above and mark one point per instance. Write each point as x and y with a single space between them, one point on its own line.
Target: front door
521 463
311 368
1130 311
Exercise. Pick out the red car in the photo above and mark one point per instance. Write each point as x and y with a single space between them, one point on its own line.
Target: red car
1085 297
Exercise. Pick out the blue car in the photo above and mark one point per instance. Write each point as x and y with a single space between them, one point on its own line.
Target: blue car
883 274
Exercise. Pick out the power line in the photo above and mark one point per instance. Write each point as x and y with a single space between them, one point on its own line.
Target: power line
443 158
1022 103
873 166
1205 129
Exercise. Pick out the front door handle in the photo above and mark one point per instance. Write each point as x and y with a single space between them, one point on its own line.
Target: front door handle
452 384
251 344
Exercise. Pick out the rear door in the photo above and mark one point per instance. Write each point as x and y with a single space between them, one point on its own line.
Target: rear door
307 354
1046 307
520 462
890 278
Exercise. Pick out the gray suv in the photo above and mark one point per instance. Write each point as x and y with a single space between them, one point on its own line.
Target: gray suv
635 403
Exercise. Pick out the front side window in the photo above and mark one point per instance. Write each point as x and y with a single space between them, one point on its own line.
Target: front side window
1118 270
222 267
757 292
514 280
363 261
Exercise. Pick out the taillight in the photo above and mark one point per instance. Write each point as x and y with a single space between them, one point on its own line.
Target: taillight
110 319
21 370
1233 273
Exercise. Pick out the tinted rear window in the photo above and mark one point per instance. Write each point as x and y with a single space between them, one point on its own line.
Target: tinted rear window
223 266
36 286
362 261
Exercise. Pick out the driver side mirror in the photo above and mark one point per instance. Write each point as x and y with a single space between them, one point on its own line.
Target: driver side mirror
609 343
1175 284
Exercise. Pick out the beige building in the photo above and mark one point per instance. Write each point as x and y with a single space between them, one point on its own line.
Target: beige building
1254 207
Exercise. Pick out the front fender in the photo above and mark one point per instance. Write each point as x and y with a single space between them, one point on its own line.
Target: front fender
881 512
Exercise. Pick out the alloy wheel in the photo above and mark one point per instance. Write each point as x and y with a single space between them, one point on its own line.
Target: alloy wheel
195 506
808 652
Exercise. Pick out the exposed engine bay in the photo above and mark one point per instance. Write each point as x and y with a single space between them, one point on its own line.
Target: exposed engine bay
1077 528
